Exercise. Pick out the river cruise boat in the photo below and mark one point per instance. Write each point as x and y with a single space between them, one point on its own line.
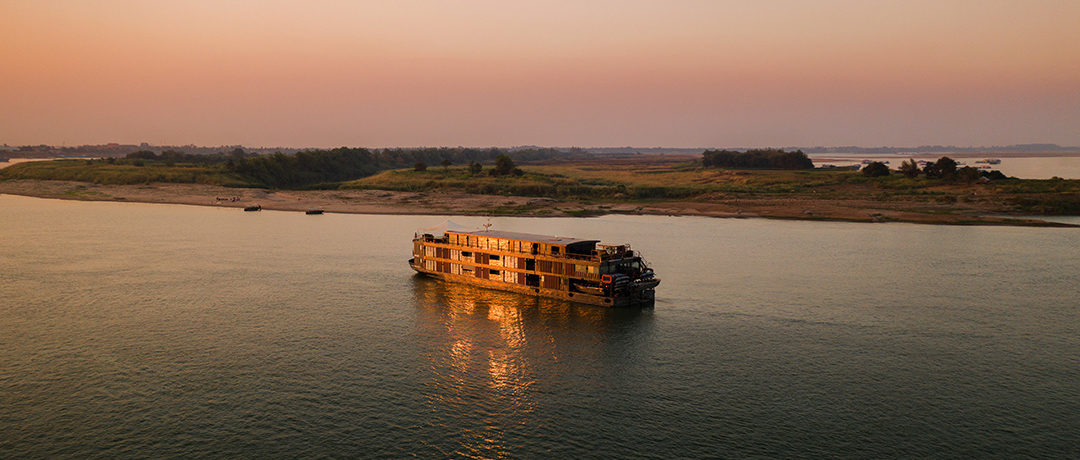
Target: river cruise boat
570 269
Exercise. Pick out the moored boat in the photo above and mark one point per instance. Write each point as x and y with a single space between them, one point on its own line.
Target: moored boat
257 207
313 212
572 269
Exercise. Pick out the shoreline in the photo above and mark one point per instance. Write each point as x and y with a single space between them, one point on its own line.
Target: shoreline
457 203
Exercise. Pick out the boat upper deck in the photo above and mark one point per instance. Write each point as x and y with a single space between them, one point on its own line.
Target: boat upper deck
530 237
510 243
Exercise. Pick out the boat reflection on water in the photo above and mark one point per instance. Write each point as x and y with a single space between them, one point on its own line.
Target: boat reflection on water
492 352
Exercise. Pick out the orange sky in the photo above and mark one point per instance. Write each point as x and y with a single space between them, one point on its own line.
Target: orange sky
586 73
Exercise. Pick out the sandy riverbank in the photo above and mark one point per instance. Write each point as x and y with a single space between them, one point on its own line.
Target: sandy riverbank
456 203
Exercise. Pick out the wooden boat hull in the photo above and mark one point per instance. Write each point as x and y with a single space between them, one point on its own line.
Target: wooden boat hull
642 298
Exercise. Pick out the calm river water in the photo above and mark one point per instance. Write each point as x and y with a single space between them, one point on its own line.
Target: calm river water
137 330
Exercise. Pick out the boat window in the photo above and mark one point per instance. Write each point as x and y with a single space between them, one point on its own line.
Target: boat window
555 250
493 272
494 257
466 254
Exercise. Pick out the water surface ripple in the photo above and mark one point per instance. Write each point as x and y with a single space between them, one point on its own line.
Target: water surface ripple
133 330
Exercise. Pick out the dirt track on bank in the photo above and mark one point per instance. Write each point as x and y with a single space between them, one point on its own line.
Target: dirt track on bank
456 203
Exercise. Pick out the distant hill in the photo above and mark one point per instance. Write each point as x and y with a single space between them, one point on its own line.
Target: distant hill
115 150
1015 148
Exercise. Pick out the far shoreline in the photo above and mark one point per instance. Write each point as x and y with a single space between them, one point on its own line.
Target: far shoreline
448 203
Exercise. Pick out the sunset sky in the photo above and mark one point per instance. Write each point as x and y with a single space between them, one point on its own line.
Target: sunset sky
558 73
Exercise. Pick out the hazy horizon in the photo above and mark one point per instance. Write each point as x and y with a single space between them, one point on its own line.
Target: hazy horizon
485 73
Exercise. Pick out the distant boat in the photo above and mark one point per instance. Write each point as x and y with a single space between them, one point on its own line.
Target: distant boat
253 208
312 212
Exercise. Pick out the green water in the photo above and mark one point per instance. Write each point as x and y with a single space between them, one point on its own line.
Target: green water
132 330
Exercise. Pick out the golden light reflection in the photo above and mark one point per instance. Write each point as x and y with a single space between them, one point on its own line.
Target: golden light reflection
488 349
460 352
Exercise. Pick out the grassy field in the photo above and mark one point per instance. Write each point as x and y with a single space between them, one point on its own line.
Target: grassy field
102 172
633 180
610 180
651 179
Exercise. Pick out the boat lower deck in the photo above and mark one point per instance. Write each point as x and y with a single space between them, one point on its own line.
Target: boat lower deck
644 298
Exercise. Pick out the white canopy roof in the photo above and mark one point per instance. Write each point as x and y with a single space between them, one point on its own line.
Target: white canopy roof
443 227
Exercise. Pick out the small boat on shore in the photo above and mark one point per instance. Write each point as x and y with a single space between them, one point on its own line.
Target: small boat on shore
313 212
253 208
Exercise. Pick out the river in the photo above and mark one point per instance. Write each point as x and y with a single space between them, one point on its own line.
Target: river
140 330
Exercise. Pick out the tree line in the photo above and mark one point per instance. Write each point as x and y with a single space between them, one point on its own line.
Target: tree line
308 167
176 156
757 159
944 168
315 166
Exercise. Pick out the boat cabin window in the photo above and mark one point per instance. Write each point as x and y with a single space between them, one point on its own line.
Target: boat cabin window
493 272
466 254
582 247
493 257
555 250
628 267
